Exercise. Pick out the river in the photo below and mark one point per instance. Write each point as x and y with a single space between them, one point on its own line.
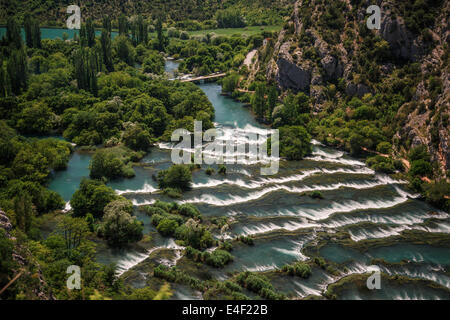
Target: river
283 218
53 33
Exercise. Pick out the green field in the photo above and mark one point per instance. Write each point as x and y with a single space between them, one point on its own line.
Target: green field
246 31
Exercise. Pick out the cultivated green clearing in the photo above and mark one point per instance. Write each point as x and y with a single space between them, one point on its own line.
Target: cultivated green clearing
246 31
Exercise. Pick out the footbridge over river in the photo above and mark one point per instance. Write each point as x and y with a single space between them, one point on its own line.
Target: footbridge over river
203 78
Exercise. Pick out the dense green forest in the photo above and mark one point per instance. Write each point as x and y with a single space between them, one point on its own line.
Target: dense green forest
186 14
110 97
89 91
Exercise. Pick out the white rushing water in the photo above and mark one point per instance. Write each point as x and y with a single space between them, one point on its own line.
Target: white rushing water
251 191
147 188
132 259
235 199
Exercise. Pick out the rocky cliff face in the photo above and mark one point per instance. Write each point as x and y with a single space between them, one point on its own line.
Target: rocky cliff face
5 224
26 264
309 57
403 43
428 124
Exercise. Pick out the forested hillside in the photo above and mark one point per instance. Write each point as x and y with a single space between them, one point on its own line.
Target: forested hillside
53 13
381 94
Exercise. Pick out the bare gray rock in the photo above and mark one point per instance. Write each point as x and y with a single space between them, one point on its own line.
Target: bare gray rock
404 44
332 67
291 76
357 89
5 223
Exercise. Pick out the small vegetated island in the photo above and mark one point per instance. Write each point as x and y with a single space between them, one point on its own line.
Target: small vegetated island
310 69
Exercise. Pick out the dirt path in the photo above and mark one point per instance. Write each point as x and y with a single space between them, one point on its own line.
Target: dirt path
376 152
245 90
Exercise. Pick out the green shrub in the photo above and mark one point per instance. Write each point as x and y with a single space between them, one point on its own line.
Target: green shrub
258 284
92 197
167 227
316 195
173 192
189 210
232 286
365 113
162 205
152 210
320 262
384 147
437 194
226 245
295 143
419 153
106 164
196 236
153 63
230 82
297 269
173 33
219 258
421 168
118 226
381 164
136 138
177 176
247 240
184 35
416 184
222 169
175 275
398 165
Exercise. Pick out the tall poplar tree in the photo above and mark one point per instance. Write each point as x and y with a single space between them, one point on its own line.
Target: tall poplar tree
90 33
3 85
86 66
107 23
36 31
258 101
28 30
160 35
83 36
17 70
13 35
105 40
123 25
32 32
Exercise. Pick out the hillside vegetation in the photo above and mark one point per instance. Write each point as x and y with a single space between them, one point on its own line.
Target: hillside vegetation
379 94
191 12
